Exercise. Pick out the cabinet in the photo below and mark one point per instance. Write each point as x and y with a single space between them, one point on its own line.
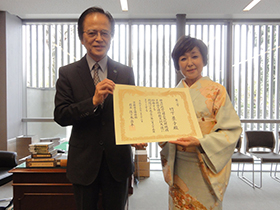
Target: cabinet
42 188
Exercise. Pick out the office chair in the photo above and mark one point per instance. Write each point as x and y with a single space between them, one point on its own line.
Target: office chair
241 158
261 144
8 160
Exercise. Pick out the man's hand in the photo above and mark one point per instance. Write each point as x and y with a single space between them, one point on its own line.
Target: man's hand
102 90
186 141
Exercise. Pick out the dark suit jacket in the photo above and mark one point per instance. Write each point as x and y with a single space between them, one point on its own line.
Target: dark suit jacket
92 132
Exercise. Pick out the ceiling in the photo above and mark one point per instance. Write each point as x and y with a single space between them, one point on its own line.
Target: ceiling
224 9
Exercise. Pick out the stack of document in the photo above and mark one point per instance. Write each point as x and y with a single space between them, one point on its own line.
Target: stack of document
43 154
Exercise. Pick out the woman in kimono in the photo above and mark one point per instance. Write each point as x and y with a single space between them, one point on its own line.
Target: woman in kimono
198 169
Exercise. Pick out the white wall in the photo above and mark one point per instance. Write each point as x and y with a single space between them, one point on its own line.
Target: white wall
3 89
11 78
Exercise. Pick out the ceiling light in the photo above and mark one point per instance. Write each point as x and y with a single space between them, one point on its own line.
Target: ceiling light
124 5
251 5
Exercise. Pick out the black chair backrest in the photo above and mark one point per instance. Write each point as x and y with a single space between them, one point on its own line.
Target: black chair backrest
8 159
264 139
238 144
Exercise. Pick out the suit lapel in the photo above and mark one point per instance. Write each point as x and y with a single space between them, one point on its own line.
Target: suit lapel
84 72
112 70
112 74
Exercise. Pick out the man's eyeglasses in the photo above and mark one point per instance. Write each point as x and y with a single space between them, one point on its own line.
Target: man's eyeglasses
93 33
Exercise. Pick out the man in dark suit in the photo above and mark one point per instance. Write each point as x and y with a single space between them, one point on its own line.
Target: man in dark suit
94 161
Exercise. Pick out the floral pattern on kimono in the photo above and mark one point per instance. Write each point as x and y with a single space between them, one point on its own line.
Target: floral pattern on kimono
221 129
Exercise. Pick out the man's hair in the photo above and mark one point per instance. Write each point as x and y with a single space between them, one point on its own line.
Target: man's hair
90 11
186 44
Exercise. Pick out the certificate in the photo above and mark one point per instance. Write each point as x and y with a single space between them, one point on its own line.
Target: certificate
145 114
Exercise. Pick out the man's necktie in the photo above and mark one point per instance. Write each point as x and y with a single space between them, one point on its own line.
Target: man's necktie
96 78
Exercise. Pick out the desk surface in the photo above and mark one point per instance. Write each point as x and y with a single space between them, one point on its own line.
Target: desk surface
38 170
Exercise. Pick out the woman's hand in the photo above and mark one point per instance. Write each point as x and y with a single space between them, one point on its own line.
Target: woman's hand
186 141
140 146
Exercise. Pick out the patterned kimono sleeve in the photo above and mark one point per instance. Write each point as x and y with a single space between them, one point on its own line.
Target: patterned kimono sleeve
168 154
220 143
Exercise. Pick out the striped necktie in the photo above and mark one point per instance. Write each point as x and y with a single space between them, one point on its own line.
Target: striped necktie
96 78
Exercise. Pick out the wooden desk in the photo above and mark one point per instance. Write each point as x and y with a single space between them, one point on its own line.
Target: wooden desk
42 188
46 188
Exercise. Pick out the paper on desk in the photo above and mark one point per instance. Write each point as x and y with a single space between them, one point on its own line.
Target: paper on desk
144 114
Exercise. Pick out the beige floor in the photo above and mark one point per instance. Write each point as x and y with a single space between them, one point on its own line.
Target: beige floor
151 194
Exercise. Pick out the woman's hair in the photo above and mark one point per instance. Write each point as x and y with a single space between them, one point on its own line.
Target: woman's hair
90 11
186 44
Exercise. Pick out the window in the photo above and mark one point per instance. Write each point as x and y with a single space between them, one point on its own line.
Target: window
146 46
214 36
256 77
47 46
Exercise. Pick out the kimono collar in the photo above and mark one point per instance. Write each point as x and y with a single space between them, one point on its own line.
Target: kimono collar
183 84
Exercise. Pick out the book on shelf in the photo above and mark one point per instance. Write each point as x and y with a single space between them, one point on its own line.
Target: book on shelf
39 151
49 154
44 154
41 147
40 159
35 164
59 160
40 162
